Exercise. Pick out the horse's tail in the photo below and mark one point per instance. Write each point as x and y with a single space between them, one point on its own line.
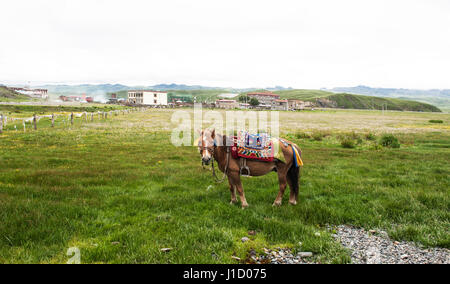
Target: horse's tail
294 173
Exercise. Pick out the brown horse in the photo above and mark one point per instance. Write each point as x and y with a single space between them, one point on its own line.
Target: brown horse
288 173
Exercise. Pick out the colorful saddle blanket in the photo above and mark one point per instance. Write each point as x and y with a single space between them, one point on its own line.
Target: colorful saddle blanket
253 146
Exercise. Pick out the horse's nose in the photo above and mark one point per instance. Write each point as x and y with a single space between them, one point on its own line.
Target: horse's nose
206 160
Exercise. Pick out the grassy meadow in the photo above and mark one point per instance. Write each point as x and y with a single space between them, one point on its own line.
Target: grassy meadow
120 191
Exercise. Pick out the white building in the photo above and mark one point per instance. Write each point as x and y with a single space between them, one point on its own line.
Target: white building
34 93
147 97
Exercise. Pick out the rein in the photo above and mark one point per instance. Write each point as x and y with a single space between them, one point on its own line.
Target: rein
218 180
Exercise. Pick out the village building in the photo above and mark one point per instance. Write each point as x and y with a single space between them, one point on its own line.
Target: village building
244 105
81 99
280 105
227 104
299 104
265 99
228 95
147 97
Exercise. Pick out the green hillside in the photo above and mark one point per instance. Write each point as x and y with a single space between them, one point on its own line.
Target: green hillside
7 95
350 101
305 95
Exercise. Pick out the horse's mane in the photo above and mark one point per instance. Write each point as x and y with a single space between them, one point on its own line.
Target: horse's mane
223 139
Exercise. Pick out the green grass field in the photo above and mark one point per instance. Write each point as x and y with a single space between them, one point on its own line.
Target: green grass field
119 191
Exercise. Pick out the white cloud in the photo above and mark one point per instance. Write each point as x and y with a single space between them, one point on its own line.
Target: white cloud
304 44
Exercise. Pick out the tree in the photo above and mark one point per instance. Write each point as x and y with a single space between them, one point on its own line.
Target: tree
243 99
254 102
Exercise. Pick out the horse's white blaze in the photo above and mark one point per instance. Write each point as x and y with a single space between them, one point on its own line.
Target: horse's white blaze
206 154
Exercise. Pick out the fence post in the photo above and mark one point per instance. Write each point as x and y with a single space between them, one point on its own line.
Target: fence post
24 126
53 120
71 118
34 122
1 123
92 117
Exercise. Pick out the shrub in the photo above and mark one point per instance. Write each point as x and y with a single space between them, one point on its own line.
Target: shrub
359 141
389 140
302 135
371 137
435 121
348 143
319 135
376 147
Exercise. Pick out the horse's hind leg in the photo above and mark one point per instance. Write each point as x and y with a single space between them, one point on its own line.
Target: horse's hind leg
232 190
293 195
282 180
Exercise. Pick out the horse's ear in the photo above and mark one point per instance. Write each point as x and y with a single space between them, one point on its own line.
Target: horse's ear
213 133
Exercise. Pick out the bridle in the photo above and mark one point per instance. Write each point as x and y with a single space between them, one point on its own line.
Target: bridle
211 150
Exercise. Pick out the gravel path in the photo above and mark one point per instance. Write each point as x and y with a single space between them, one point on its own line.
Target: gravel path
280 256
365 247
376 247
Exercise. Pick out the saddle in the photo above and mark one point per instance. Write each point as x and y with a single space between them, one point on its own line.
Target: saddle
253 146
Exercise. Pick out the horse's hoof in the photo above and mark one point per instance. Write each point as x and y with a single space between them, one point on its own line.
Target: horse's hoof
245 205
277 204
293 202
232 202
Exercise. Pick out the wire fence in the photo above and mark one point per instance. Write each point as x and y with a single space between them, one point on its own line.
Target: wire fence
67 117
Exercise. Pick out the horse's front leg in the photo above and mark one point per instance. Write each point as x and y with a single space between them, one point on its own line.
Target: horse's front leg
233 191
235 180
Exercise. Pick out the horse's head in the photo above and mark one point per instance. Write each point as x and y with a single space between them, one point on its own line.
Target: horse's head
206 145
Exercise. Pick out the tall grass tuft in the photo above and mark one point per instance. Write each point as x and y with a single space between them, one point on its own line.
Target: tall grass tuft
348 143
389 140
370 136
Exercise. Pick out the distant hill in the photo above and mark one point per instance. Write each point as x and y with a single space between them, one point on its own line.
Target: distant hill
351 101
436 97
10 95
302 94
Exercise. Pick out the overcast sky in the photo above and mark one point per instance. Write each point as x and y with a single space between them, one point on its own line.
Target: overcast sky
301 44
